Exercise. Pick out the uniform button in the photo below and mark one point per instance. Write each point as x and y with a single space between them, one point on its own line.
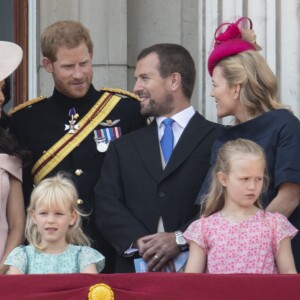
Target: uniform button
79 201
161 194
78 172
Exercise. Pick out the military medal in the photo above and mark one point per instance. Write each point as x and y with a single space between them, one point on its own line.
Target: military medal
102 146
104 136
73 127
101 143
110 123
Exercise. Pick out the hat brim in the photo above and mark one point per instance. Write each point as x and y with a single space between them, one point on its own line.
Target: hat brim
226 49
10 57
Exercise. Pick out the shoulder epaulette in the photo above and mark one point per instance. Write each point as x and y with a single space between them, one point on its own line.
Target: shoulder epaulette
26 104
121 92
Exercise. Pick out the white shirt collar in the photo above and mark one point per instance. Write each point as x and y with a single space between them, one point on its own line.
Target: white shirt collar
181 118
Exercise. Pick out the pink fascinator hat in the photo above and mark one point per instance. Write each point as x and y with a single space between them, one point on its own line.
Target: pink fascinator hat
10 57
231 39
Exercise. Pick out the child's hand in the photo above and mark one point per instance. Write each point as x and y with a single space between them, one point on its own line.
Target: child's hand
250 36
3 269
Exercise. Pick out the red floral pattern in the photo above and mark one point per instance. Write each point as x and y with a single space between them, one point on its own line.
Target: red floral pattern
248 246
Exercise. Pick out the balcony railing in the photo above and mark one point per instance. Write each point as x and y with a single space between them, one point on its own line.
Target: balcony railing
149 286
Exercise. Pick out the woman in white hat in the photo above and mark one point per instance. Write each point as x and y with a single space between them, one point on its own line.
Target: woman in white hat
12 212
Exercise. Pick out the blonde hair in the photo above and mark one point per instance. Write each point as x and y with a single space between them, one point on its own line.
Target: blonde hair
57 190
214 200
259 87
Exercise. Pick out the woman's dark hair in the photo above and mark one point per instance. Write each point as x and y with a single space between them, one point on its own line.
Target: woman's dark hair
4 120
8 144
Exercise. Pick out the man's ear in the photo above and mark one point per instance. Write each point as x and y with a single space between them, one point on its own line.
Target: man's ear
222 178
175 79
47 64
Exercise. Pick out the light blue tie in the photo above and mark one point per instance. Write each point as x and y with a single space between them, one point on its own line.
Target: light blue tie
167 140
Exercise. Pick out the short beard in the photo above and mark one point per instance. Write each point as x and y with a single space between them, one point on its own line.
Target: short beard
156 110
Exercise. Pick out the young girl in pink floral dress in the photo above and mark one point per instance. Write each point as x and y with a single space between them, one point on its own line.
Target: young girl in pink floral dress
234 235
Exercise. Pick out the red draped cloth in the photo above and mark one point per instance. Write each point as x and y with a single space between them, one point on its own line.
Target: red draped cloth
151 286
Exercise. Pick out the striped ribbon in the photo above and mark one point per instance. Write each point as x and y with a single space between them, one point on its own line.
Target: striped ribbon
51 158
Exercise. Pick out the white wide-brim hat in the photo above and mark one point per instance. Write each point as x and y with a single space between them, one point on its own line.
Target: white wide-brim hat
10 57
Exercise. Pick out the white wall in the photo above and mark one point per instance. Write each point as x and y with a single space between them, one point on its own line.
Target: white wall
107 23
157 21
120 29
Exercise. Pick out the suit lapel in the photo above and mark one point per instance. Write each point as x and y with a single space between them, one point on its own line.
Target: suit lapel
193 134
148 148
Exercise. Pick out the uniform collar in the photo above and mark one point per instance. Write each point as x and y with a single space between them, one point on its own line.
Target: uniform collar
62 100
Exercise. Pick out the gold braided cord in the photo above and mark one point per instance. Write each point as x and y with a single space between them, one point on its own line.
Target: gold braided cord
121 92
26 104
50 161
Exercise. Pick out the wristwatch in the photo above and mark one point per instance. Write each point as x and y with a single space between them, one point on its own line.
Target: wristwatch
180 240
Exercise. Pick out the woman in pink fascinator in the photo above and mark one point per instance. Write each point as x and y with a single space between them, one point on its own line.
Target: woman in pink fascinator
244 87
12 211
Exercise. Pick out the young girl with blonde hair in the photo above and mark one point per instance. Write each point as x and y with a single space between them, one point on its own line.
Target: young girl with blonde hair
245 88
234 235
57 243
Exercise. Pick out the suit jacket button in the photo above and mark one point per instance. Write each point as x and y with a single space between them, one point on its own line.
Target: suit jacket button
78 172
161 194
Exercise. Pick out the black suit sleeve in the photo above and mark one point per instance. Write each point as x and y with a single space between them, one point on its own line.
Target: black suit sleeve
110 208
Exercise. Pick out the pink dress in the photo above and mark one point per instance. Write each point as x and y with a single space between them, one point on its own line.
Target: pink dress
248 246
9 165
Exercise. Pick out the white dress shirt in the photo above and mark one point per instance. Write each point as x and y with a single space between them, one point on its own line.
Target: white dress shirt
181 120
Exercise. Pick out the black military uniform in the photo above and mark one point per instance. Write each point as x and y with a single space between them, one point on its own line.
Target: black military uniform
40 125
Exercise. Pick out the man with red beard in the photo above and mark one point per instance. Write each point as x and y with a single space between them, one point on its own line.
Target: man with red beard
150 178
71 130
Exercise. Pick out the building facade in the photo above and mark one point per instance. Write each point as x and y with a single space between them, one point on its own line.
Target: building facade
120 29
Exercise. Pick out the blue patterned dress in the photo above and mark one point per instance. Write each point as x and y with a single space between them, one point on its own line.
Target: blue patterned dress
73 260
